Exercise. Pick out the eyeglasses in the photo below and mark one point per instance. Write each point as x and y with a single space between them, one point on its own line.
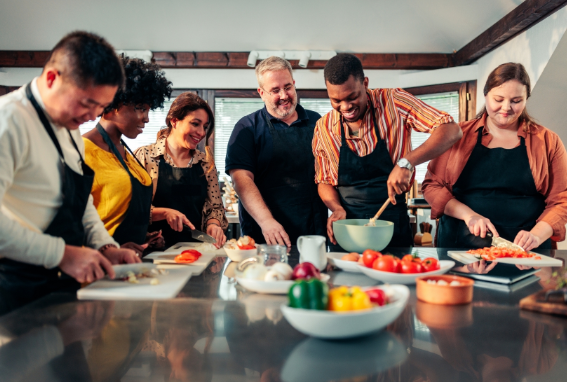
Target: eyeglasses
277 92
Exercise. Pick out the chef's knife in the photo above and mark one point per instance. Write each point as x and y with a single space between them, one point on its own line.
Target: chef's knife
503 243
200 235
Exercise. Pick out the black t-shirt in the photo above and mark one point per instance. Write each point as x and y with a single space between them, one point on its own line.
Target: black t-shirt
250 144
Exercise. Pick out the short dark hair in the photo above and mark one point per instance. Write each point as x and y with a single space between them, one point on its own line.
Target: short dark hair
145 84
89 59
339 68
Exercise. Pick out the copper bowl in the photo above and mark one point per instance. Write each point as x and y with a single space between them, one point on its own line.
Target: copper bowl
444 294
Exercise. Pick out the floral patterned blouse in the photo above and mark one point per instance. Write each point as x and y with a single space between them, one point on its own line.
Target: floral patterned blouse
150 156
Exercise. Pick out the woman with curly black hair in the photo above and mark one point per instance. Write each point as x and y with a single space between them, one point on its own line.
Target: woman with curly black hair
122 189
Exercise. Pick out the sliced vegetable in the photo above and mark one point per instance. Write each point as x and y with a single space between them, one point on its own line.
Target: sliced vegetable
188 256
308 294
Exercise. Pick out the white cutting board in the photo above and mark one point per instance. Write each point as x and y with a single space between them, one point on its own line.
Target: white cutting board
168 287
168 256
546 261
182 246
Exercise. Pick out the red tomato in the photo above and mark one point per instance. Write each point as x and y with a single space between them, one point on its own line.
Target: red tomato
430 264
377 296
369 256
385 264
411 267
398 267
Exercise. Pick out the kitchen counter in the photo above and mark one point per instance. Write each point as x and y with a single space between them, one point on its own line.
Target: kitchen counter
216 331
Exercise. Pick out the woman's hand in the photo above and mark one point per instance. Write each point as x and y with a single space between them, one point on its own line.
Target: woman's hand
216 232
176 219
139 249
527 240
479 226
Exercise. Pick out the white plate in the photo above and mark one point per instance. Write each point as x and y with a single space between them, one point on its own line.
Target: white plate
545 261
271 287
347 266
238 255
333 325
405 278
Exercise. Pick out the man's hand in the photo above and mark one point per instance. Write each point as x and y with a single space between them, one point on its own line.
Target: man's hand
274 233
85 264
121 256
176 219
338 214
398 182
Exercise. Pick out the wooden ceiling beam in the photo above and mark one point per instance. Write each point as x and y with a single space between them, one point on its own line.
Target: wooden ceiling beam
523 17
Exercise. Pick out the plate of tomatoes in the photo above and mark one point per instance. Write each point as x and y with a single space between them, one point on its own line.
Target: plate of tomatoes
393 270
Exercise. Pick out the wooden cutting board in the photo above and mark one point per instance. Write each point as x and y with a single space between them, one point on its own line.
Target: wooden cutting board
535 302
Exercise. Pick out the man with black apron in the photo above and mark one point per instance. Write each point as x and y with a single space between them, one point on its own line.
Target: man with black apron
270 160
362 148
51 238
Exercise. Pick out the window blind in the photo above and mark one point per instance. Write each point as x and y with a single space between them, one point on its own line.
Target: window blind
156 123
448 102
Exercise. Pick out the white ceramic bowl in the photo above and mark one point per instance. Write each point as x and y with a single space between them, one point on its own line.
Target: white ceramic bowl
353 236
332 325
405 278
271 287
347 266
238 255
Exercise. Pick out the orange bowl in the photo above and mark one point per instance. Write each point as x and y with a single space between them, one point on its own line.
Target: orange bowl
444 294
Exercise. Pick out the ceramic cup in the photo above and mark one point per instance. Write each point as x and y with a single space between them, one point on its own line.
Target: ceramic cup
312 249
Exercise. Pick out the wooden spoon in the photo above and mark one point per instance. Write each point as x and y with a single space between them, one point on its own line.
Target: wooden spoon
372 221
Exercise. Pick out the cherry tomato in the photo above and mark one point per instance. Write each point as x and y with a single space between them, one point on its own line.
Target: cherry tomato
369 256
411 267
377 296
430 264
385 263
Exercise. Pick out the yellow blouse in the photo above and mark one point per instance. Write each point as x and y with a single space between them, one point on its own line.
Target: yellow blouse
112 189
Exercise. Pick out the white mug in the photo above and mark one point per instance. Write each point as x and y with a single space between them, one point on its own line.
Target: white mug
312 249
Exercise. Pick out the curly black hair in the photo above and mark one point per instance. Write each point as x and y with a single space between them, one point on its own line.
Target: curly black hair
145 84
339 68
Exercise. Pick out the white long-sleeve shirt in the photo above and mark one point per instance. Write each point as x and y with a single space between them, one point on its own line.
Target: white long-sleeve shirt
30 184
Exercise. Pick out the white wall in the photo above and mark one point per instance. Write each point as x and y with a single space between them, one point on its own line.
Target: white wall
533 48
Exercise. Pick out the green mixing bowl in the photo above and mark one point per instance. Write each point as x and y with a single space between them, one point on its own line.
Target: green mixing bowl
353 236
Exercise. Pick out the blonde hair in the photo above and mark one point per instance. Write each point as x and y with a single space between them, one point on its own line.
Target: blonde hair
272 64
184 104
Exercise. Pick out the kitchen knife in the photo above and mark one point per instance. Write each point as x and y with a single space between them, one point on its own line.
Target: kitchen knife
503 243
199 235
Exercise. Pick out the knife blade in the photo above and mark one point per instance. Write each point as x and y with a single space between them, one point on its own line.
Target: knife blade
503 243
200 235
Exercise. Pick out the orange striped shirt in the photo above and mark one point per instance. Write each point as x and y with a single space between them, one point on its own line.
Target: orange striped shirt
397 113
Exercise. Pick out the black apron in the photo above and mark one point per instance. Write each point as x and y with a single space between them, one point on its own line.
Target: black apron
21 283
288 186
362 187
497 184
184 190
134 225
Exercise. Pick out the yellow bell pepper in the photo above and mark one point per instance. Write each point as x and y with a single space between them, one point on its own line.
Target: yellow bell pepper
344 299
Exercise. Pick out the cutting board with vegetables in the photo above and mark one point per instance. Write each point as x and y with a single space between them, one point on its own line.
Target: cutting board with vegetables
544 261
536 302
168 257
168 287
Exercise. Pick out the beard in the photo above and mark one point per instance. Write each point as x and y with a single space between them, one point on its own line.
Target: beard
281 114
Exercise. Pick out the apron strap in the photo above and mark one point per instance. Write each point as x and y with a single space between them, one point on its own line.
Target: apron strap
114 150
47 126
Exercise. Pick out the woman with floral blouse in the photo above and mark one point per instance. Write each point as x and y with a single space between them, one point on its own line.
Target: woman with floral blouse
185 182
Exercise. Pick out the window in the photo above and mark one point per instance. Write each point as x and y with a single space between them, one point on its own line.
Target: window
448 102
157 122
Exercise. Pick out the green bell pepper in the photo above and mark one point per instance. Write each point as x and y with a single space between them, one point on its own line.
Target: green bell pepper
308 294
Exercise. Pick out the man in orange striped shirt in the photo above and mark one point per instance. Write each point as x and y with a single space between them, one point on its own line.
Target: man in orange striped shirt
363 148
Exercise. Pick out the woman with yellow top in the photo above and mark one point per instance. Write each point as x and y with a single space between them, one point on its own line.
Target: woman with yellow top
122 189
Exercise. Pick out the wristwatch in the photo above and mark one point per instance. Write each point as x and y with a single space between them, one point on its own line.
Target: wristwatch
404 163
